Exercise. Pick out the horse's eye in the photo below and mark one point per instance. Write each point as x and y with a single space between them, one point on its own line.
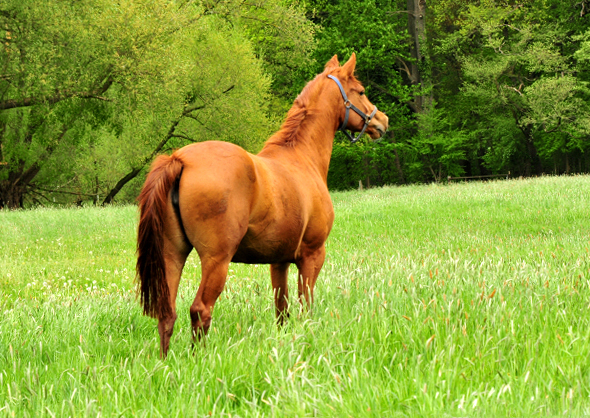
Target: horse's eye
362 93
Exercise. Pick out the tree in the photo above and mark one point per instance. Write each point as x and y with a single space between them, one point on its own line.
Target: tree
524 73
283 38
111 84
477 87
242 30
59 62
224 98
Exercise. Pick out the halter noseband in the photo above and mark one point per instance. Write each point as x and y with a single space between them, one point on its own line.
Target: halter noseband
349 105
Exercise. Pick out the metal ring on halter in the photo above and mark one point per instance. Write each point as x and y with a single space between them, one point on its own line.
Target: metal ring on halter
348 105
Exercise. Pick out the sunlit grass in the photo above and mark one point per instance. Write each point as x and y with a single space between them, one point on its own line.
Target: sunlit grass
460 300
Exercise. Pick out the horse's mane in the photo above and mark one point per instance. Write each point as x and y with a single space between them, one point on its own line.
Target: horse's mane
290 129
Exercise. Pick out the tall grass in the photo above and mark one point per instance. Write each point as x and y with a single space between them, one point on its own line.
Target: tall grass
460 300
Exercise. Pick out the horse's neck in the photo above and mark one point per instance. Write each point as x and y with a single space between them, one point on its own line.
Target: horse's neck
313 140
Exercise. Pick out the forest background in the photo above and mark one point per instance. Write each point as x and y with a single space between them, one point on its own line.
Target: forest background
92 90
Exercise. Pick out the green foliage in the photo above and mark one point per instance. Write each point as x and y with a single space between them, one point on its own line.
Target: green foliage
372 164
111 85
504 76
92 90
441 148
284 39
377 37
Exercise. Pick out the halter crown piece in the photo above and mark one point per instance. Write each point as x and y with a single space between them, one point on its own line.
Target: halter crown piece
349 106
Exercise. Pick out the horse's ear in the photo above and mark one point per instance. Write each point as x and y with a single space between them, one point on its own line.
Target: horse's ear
332 64
348 68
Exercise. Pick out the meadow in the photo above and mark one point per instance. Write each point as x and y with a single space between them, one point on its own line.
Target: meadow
436 300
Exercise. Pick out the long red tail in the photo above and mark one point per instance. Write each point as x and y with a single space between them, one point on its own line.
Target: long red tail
153 208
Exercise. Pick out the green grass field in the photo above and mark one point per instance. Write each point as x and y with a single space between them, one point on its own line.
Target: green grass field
460 300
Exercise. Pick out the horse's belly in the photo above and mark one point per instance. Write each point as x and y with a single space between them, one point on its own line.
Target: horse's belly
267 249
251 256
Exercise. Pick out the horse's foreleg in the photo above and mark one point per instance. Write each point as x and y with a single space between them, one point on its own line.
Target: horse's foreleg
174 264
214 274
309 268
279 275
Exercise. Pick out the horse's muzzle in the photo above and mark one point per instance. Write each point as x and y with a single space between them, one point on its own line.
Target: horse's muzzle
378 125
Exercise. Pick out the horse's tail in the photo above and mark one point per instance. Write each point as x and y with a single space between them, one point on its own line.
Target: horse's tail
153 208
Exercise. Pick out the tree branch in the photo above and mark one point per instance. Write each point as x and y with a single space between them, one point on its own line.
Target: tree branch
35 187
263 22
514 88
400 12
32 101
40 194
91 96
406 69
29 174
583 4
188 110
382 89
137 169
512 102
183 137
170 134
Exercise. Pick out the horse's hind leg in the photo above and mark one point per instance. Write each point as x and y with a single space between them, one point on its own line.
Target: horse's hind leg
175 255
309 268
214 275
279 275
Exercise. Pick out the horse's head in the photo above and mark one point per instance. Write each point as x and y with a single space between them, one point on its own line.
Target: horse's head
358 113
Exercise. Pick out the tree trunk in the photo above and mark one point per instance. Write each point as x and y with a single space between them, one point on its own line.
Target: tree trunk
137 169
11 196
398 164
416 30
534 160
130 176
14 189
97 185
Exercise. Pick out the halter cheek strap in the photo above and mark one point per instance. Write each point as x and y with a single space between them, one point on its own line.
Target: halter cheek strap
348 105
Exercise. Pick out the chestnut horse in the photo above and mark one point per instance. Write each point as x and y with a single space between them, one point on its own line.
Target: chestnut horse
232 206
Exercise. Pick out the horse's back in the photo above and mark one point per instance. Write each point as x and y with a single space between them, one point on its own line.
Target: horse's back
217 161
